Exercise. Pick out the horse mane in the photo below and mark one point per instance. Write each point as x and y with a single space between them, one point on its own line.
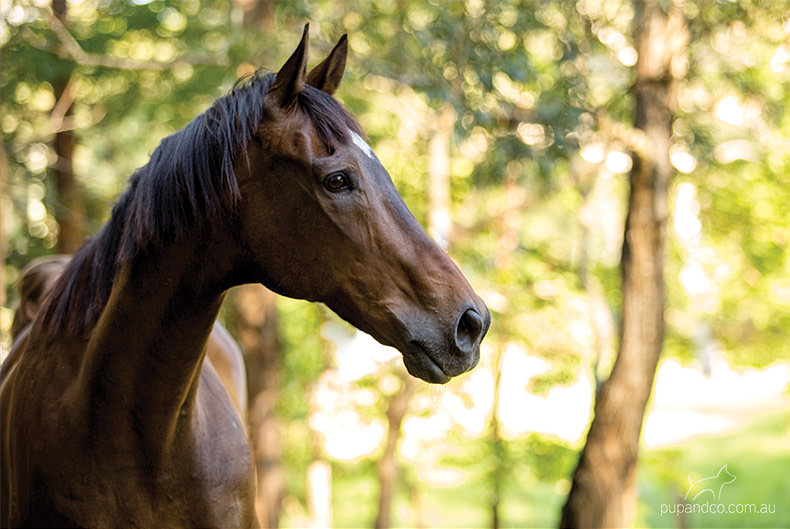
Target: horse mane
189 180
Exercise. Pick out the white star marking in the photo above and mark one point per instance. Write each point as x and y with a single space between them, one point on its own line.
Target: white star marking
364 147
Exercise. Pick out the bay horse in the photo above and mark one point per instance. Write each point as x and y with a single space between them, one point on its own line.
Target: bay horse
110 416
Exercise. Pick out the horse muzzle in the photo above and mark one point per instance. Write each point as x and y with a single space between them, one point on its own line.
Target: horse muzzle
438 361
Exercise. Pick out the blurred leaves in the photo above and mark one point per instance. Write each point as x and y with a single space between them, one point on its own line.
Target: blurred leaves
538 158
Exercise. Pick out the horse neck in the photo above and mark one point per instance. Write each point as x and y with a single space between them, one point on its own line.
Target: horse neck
144 356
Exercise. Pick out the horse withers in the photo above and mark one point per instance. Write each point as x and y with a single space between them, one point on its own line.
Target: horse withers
110 415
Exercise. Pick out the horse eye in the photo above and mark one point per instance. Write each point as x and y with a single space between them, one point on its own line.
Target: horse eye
337 182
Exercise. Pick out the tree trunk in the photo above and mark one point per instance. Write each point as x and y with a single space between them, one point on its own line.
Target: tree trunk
258 332
508 234
603 492
439 224
70 211
319 476
319 492
388 464
319 472
256 14
500 470
5 205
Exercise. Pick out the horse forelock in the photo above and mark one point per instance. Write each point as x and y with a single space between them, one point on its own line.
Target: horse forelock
329 118
188 181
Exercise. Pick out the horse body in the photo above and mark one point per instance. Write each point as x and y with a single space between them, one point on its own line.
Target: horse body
111 416
76 471
134 429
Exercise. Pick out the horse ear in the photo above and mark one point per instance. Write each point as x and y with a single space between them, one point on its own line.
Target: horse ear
327 75
291 77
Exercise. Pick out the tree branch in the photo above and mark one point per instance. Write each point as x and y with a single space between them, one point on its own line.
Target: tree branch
71 49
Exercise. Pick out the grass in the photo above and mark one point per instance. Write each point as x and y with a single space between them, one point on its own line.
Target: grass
758 456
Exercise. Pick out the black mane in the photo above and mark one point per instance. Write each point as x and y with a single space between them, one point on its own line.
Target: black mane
188 181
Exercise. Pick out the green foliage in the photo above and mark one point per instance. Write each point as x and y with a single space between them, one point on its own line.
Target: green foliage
540 93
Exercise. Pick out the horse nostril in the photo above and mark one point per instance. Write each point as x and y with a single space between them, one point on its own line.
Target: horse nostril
469 331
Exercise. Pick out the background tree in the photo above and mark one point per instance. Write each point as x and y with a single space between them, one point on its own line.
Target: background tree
603 492
388 472
253 313
70 212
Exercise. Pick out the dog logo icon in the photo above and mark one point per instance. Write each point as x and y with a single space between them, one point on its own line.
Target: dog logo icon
713 484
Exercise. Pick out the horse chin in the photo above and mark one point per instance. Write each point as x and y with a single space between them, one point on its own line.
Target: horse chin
422 366
432 366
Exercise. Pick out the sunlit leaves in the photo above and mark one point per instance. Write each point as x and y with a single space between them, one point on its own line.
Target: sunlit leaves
537 158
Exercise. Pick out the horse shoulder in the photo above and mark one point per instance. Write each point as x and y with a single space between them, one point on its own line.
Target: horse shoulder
221 460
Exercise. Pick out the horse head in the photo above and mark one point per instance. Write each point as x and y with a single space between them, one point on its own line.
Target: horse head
320 219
